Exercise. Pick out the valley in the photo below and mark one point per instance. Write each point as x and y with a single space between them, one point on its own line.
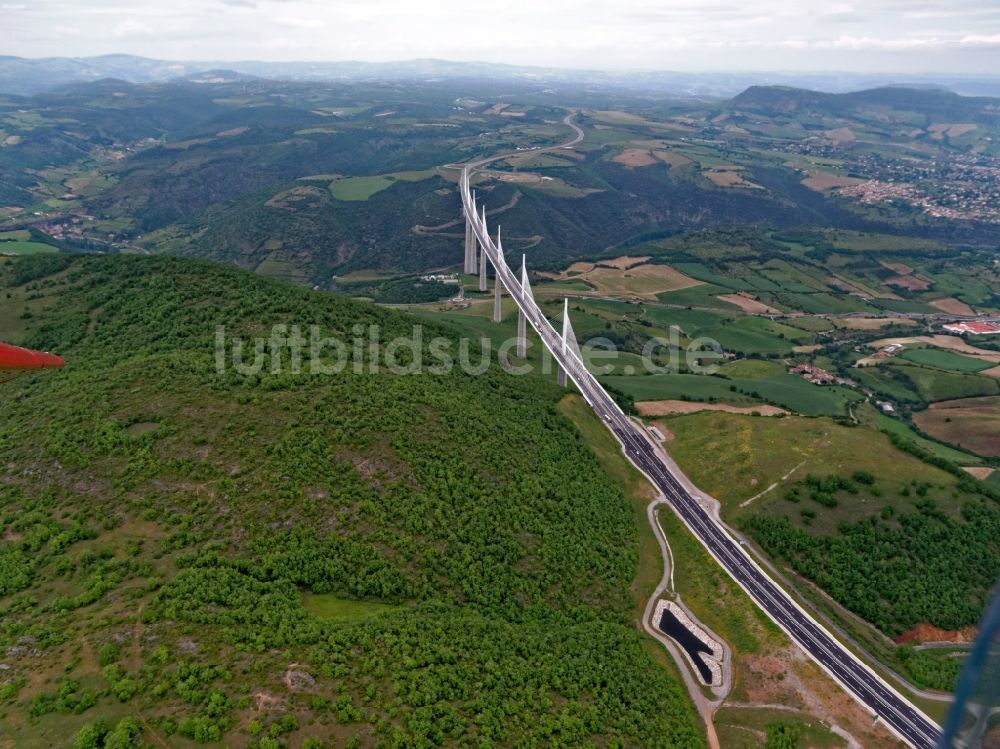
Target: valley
373 560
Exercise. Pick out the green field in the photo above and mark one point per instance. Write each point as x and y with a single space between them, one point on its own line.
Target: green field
753 369
679 386
789 391
19 247
740 728
702 272
327 606
362 188
938 385
746 334
855 241
941 359
757 452
887 381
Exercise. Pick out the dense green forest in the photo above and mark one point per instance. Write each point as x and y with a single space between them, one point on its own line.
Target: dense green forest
298 560
899 569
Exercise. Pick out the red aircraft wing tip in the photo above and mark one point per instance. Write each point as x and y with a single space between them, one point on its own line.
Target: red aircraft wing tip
15 357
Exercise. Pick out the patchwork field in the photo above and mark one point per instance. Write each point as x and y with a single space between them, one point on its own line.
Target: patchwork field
911 283
900 269
823 181
625 261
672 158
784 391
635 157
953 307
622 277
749 304
669 407
949 342
972 423
873 323
729 177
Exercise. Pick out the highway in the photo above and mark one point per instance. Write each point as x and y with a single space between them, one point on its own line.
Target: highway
897 713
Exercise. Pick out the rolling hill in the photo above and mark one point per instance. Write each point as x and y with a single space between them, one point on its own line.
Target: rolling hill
197 555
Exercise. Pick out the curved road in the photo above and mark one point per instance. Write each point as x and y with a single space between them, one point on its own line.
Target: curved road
898 714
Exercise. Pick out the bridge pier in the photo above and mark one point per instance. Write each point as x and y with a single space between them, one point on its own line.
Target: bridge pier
470 244
467 268
522 321
497 314
568 344
482 256
482 266
560 372
497 285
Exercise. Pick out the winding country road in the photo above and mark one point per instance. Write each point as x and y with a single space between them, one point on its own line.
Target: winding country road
867 687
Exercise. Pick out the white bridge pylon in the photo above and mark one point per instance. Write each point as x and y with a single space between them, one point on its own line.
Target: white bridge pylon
480 247
470 247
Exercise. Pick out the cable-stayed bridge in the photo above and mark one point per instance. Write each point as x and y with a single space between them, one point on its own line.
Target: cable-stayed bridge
872 691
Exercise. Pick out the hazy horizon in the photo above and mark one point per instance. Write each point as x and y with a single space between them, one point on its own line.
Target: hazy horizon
204 61
886 36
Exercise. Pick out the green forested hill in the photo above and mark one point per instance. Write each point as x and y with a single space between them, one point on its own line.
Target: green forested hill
295 559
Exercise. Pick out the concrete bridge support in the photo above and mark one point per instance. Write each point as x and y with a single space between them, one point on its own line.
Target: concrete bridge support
560 372
482 257
522 321
470 249
471 262
497 285
482 267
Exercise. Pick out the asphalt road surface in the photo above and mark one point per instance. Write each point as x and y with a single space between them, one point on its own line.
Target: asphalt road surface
898 714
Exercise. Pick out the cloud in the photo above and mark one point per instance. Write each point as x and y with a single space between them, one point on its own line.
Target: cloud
979 39
130 27
651 34
299 23
281 42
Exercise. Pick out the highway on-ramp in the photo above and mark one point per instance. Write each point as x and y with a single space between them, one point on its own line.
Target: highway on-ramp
894 710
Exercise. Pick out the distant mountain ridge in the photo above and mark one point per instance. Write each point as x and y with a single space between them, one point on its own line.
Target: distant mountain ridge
930 101
29 76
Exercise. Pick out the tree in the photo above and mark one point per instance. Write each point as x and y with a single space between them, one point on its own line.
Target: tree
91 736
783 735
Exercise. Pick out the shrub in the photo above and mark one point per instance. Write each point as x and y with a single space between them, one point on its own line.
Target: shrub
782 735
124 689
107 654
125 735
863 477
91 736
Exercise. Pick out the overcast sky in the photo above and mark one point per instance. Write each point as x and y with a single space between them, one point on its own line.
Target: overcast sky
876 35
